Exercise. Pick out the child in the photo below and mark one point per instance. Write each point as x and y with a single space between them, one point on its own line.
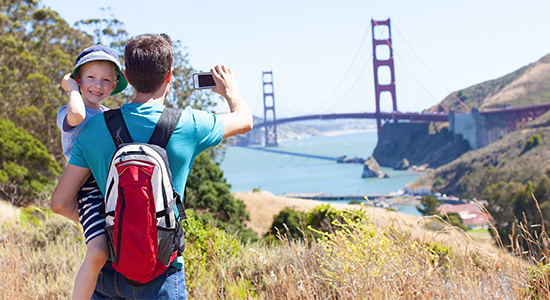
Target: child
96 76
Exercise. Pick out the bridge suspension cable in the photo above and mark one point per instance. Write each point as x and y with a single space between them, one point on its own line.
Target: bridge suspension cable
353 85
347 72
430 71
419 82
302 112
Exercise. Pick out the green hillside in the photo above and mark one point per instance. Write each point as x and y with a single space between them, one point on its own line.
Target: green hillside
529 85
506 160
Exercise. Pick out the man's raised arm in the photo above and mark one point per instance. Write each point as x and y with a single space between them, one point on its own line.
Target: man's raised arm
239 120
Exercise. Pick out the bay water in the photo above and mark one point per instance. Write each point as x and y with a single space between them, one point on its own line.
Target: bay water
246 168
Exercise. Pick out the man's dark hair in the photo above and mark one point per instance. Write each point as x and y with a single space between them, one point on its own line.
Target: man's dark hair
148 59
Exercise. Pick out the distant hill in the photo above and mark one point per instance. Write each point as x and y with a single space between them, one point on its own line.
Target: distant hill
304 129
529 85
506 160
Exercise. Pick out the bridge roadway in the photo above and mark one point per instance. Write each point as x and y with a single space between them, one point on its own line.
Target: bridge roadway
513 112
434 117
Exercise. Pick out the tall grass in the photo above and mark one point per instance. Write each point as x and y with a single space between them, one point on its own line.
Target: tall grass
360 259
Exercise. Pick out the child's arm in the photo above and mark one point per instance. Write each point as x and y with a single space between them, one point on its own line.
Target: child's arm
63 200
76 110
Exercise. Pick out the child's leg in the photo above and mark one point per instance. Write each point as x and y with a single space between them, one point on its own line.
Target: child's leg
86 278
89 201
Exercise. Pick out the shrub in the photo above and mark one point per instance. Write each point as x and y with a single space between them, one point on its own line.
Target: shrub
27 170
428 206
539 282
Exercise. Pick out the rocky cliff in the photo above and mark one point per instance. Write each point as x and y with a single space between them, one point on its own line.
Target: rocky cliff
413 142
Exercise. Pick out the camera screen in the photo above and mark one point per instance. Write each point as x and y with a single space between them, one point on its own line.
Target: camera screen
206 80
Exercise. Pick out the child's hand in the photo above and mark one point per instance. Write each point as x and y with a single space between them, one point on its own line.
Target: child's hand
68 83
226 83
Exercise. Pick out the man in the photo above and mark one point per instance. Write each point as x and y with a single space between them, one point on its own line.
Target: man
149 60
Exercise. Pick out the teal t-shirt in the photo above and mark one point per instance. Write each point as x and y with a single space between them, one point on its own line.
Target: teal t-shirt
196 131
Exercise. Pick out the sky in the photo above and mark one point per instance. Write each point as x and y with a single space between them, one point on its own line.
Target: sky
320 51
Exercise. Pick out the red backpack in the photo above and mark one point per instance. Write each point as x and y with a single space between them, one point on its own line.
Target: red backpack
143 230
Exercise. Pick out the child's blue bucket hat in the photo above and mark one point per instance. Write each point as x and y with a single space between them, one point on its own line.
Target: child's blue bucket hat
100 52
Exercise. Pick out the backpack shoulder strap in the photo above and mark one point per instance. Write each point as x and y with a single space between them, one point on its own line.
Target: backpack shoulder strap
117 126
165 126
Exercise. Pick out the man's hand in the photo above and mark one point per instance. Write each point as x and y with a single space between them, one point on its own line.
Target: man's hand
226 83
239 121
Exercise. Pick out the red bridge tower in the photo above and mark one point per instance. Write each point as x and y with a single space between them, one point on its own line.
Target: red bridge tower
269 109
379 64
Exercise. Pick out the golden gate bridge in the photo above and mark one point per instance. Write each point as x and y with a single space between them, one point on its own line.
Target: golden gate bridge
509 119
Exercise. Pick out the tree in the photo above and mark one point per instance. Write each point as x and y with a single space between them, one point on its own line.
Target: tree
288 222
428 206
207 192
37 48
518 212
27 171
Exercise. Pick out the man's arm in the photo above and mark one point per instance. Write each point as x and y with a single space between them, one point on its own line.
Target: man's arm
63 199
239 120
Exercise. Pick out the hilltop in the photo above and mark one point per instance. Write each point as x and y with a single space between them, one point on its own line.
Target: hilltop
530 85
508 159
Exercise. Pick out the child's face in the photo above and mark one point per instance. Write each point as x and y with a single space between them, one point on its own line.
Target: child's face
97 79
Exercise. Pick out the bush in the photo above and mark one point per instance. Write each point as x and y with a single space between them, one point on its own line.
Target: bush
456 220
206 247
288 222
27 170
428 206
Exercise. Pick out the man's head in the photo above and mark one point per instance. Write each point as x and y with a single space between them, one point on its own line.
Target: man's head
100 53
149 59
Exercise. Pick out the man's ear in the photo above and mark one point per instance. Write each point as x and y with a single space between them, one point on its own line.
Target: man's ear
169 76
126 77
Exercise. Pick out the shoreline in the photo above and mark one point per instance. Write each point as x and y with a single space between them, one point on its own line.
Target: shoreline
327 133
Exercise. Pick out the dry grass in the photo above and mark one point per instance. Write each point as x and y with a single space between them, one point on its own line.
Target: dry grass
387 258
39 261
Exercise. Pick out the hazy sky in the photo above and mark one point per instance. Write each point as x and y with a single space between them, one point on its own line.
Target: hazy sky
320 51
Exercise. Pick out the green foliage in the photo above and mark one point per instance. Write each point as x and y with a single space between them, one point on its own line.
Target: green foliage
37 48
288 222
532 142
323 217
437 183
34 215
518 210
428 205
207 192
355 202
27 171
439 254
539 282
456 220
206 247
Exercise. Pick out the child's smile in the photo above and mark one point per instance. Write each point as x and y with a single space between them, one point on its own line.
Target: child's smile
97 80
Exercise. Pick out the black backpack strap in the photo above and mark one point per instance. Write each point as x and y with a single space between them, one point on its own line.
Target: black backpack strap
165 126
117 126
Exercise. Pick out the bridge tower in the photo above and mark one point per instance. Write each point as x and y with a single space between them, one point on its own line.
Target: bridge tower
269 109
383 63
